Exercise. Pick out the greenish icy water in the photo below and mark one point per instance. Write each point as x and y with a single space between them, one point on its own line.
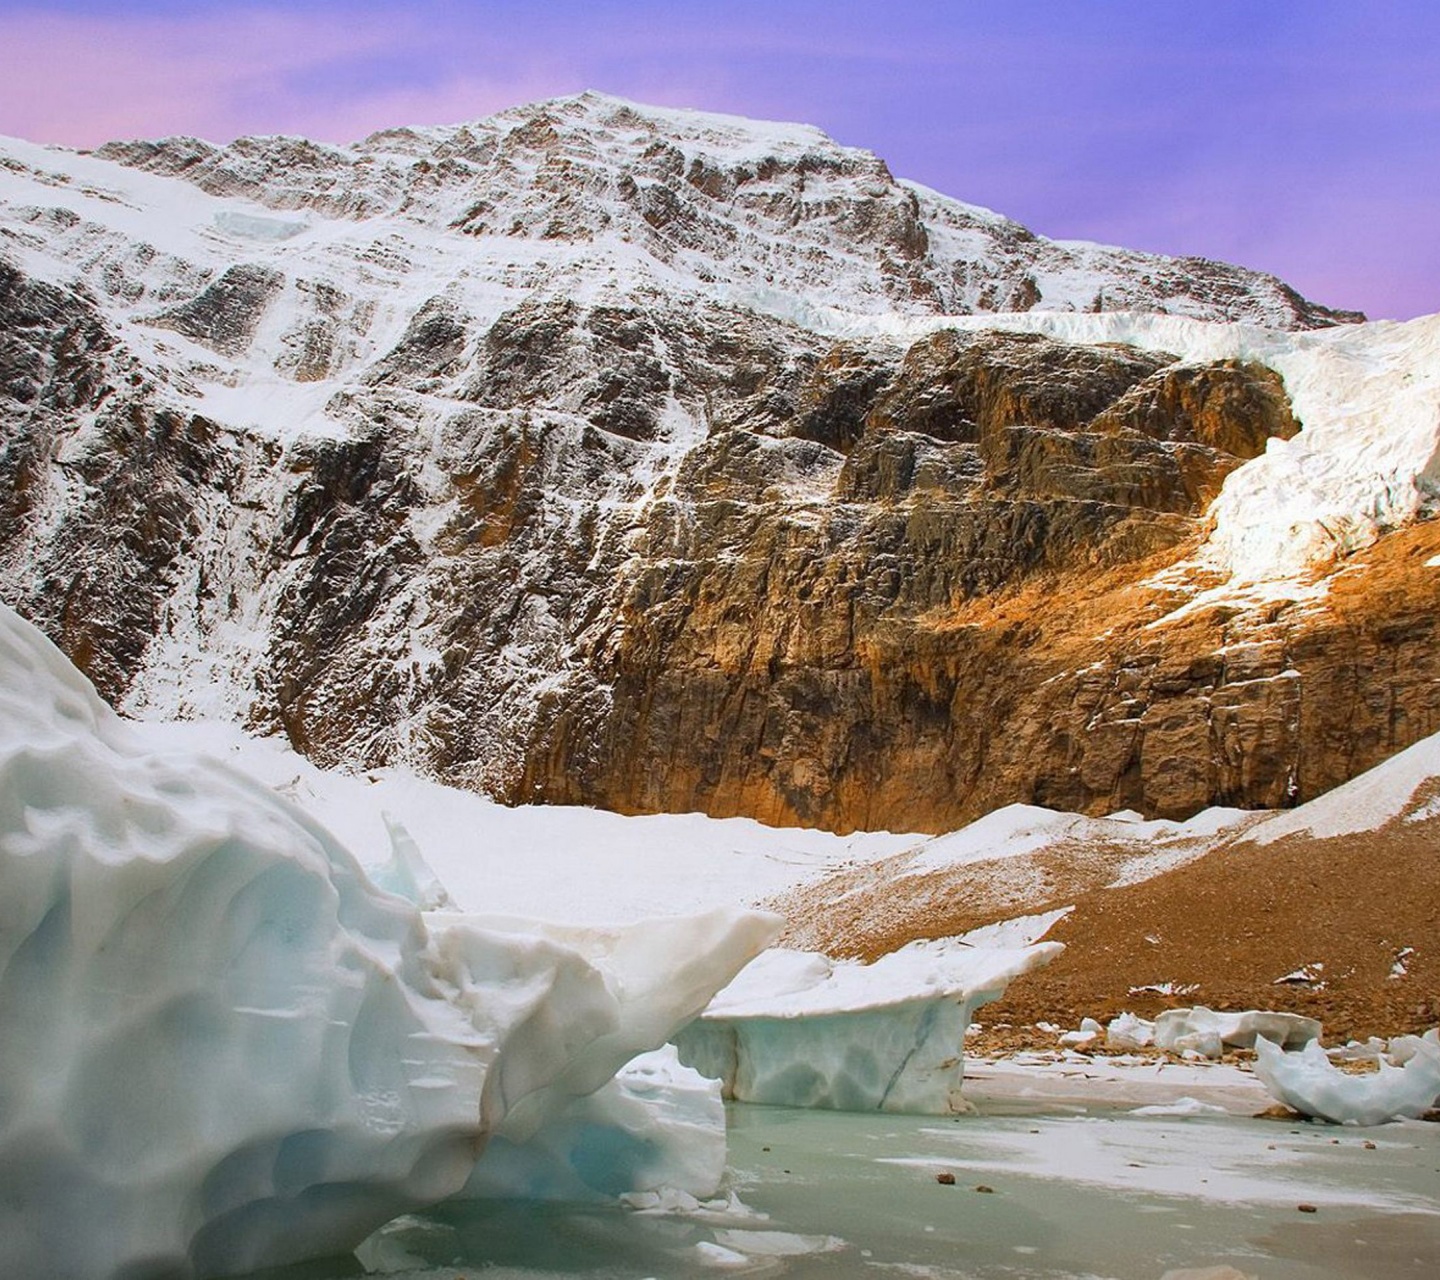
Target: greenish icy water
1073 1193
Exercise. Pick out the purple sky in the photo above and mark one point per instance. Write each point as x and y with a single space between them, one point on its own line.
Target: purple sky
1297 136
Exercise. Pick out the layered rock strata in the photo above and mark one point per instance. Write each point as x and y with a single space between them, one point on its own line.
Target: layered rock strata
559 511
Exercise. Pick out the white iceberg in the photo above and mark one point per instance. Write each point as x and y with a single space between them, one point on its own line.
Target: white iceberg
1307 1082
1208 1033
1129 1032
798 1029
223 1048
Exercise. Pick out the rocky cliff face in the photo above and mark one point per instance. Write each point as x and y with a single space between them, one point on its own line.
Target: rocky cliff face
605 455
763 211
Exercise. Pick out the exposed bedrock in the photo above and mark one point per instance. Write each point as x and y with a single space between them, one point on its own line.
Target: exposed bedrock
828 711
693 559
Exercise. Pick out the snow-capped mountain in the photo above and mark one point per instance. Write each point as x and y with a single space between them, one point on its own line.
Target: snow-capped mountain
660 460
562 196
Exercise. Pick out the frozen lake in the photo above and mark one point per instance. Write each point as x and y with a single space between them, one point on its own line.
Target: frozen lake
1077 1190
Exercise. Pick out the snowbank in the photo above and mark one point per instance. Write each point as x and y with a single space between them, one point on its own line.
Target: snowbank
223 1048
798 1029
582 866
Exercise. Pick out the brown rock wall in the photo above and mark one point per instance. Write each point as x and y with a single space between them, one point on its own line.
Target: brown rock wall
822 702
888 589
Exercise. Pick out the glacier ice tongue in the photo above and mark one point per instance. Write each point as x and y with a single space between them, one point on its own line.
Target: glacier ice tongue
222 1048
797 1029
1307 1082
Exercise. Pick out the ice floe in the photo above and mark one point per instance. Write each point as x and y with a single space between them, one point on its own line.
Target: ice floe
1309 1083
798 1029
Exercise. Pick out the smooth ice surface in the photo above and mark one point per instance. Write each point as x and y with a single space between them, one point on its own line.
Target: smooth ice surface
1077 1194
222 1046
1307 1082
798 1029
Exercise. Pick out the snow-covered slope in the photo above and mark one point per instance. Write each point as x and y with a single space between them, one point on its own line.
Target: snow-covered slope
574 865
561 195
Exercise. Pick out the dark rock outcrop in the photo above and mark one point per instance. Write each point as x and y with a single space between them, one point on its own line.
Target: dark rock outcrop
225 316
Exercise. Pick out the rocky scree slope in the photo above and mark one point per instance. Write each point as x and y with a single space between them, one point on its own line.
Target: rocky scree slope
1327 909
602 454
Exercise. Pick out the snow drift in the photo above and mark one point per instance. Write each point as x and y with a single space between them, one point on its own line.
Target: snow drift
222 1047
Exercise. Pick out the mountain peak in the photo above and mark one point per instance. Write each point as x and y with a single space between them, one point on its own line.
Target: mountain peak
620 400
762 214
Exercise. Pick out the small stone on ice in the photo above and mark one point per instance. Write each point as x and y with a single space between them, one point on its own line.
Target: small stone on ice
1307 1208
945 1179
989 1191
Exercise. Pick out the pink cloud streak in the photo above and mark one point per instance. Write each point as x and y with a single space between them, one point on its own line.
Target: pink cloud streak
81 81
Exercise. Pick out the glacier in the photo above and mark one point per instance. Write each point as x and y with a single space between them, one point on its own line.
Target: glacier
222 1047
